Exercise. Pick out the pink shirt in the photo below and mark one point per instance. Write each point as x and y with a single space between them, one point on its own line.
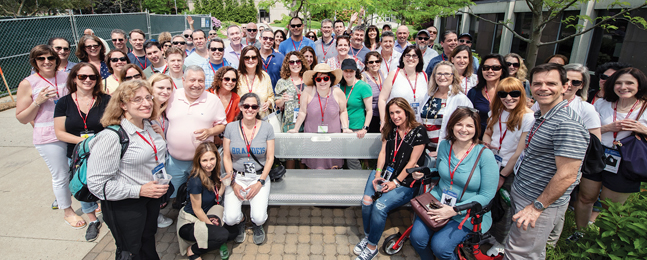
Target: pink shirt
185 118
44 122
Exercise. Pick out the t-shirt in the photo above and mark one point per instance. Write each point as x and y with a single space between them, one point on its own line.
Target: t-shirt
238 149
511 138
415 137
605 108
194 186
432 117
482 104
586 111
289 45
355 105
194 59
360 54
142 61
67 107
376 87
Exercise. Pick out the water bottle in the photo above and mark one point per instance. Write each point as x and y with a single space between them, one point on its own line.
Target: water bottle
505 195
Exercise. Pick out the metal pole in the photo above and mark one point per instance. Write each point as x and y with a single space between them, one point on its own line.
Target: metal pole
175 2
148 23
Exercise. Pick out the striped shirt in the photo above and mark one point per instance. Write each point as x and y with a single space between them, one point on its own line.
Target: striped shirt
123 178
562 133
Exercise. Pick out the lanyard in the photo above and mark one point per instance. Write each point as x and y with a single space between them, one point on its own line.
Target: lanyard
228 105
323 108
295 47
351 91
396 148
78 108
173 81
162 124
504 133
532 133
53 85
248 144
569 102
451 173
466 86
152 145
268 63
615 111
487 96
442 56
358 52
386 63
140 63
412 86
325 52
251 86
297 88
379 85
211 65
215 191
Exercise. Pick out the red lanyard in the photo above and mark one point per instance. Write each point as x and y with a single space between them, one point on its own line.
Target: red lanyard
53 85
379 85
351 91
487 96
211 65
386 63
325 52
251 86
140 63
268 63
165 68
228 105
442 56
532 133
248 144
412 86
615 111
152 145
358 52
297 88
295 47
173 81
451 173
466 86
323 108
78 108
115 77
569 102
215 191
162 124
504 133
397 148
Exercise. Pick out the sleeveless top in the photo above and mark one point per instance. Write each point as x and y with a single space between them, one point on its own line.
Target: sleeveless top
402 88
44 121
331 119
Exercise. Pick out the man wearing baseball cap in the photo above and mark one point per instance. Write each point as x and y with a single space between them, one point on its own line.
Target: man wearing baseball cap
466 39
422 42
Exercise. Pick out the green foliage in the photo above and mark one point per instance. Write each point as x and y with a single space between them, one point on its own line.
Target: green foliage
164 6
38 7
228 10
111 6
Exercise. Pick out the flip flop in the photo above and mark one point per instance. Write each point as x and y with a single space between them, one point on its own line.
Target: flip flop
73 221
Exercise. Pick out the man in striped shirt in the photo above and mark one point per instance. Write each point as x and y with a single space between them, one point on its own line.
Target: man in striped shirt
549 167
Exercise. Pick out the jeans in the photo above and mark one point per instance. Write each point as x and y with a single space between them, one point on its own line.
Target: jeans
233 213
374 214
442 243
54 155
179 170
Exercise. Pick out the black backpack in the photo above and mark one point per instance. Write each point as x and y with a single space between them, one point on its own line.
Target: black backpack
593 162
181 198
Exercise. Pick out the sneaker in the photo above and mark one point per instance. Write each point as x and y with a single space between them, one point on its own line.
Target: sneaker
55 204
259 234
163 222
575 237
224 252
496 249
360 246
93 231
367 254
241 231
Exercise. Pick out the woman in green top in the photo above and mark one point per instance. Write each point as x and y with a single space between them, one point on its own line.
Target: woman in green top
359 96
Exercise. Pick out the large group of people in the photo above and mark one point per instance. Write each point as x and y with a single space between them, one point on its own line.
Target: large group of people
197 110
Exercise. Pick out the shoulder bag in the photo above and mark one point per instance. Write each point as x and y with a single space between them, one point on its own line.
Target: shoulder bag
633 151
277 172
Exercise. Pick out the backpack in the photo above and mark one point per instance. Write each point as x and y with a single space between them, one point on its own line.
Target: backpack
79 167
181 198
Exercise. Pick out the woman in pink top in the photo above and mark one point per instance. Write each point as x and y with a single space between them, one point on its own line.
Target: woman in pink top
37 95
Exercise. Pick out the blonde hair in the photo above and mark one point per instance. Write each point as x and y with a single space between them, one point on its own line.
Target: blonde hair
454 88
157 77
522 72
122 95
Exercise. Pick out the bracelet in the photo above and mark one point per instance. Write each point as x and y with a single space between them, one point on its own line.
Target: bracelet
378 170
36 103
503 176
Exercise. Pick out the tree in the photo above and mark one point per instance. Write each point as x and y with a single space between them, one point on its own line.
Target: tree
17 8
544 12
164 6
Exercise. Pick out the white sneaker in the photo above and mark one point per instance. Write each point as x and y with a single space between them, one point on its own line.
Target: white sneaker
496 249
360 246
163 222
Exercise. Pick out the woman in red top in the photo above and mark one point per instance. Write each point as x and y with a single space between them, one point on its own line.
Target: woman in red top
225 85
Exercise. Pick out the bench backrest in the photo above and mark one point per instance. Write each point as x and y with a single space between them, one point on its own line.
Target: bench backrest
320 146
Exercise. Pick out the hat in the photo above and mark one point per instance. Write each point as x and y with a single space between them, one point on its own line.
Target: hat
465 34
349 64
321 68
423 31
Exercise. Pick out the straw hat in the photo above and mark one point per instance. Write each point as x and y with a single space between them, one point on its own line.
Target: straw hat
323 68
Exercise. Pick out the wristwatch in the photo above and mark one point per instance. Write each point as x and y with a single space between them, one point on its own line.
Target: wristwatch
365 128
261 181
397 182
538 205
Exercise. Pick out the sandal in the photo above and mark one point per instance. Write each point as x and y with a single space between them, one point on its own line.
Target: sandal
73 221
193 256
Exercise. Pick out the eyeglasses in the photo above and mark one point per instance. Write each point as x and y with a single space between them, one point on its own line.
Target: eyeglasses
136 76
465 41
59 48
324 78
179 43
118 59
252 30
167 45
267 38
118 40
371 62
513 64
95 46
212 34
250 58
228 79
474 110
217 49
604 77
139 100
493 68
514 94
248 106
294 62
576 83
187 36
84 77
411 56
49 58
423 39
433 32
296 25
446 75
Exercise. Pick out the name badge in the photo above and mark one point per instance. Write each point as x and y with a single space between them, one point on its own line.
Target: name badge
388 173
159 171
449 198
497 157
517 165
86 134
415 107
296 114
250 169
612 160
322 129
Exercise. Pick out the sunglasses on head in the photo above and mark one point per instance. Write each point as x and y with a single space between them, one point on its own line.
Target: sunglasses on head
324 78
423 38
49 58
513 64
604 77
118 59
294 62
118 40
252 30
179 43
136 76
514 94
217 49
248 106
465 41
576 83
228 79
371 62
250 57
95 46
296 25
84 77
65 49
493 68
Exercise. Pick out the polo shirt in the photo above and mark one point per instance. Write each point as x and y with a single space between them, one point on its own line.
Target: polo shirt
397 47
150 70
429 54
142 61
290 45
186 117
360 54
432 63
325 51
232 56
560 132
194 59
272 65
210 70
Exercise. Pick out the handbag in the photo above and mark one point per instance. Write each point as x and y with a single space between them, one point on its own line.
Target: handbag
633 151
273 119
425 202
277 172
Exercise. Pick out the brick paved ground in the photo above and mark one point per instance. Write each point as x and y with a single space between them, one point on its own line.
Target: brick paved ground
292 233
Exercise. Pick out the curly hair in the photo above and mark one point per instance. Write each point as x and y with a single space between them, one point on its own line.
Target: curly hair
217 79
122 95
285 68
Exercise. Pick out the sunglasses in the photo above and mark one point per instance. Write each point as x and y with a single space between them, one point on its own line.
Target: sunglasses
95 46
118 40
167 45
514 94
217 49
433 32
294 62
179 43
228 79
513 64
604 77
187 36
84 77
465 41
493 68
252 30
65 49
247 106
423 38
324 78
250 57
118 59
49 58
212 34
268 38
136 76
371 62
296 25
576 83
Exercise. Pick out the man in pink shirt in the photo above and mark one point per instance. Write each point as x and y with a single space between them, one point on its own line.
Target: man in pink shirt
194 116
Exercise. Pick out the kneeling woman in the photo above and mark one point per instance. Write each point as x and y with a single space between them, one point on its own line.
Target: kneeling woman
403 142
457 156
205 191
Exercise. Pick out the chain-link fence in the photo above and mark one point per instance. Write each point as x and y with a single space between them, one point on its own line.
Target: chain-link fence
20 35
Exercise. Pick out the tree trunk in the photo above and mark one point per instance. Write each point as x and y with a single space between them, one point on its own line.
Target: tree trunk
535 35
293 13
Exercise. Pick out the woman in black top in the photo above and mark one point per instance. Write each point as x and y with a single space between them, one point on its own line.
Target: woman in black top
77 116
403 142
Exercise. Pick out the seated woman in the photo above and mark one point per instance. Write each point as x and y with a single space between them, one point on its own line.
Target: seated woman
461 146
200 220
403 142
